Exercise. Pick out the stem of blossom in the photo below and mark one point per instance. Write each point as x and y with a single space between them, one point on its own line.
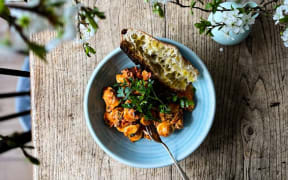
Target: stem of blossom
37 10
263 8
179 4
11 20
199 8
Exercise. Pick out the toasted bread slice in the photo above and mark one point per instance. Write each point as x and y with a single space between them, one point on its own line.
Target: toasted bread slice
163 60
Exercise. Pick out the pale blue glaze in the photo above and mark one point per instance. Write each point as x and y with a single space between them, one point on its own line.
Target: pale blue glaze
22 103
220 36
144 153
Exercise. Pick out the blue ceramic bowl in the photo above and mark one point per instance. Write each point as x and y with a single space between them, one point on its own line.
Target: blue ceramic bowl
145 153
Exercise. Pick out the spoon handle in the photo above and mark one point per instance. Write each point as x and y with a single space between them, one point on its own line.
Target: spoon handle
175 163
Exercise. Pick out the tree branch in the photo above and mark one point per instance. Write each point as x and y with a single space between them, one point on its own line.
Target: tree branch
179 4
199 8
38 9
15 140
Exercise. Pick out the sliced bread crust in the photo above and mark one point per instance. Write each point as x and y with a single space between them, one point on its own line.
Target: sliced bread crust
162 59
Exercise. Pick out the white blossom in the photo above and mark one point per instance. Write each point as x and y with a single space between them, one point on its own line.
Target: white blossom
248 20
234 22
69 29
87 31
12 42
284 37
35 22
281 12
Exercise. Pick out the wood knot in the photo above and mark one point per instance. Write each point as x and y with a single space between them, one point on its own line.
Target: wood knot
249 131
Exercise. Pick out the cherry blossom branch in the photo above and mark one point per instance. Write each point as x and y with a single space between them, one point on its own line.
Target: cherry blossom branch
11 21
39 10
263 8
39 50
196 7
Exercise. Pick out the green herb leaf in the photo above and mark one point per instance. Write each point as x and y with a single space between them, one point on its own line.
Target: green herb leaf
182 103
175 98
144 100
190 103
120 92
164 109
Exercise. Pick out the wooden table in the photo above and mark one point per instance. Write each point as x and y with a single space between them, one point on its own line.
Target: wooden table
249 136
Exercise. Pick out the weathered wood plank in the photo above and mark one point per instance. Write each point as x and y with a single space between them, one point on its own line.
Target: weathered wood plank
249 136
64 145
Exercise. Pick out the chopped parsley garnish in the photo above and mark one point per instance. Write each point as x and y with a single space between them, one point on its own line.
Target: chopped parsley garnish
141 96
183 101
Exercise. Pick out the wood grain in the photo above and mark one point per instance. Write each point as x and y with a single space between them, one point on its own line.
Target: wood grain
248 139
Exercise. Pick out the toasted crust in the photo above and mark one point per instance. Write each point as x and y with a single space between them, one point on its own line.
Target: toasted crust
160 73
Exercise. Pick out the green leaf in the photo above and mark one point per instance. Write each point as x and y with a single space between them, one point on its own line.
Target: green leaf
164 109
284 20
23 21
242 10
128 91
193 3
208 6
190 103
201 2
120 92
174 98
6 41
32 159
204 26
56 3
129 106
98 13
92 22
157 9
38 50
276 6
3 8
182 103
88 49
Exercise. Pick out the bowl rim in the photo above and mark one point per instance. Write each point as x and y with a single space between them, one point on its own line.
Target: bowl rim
155 165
